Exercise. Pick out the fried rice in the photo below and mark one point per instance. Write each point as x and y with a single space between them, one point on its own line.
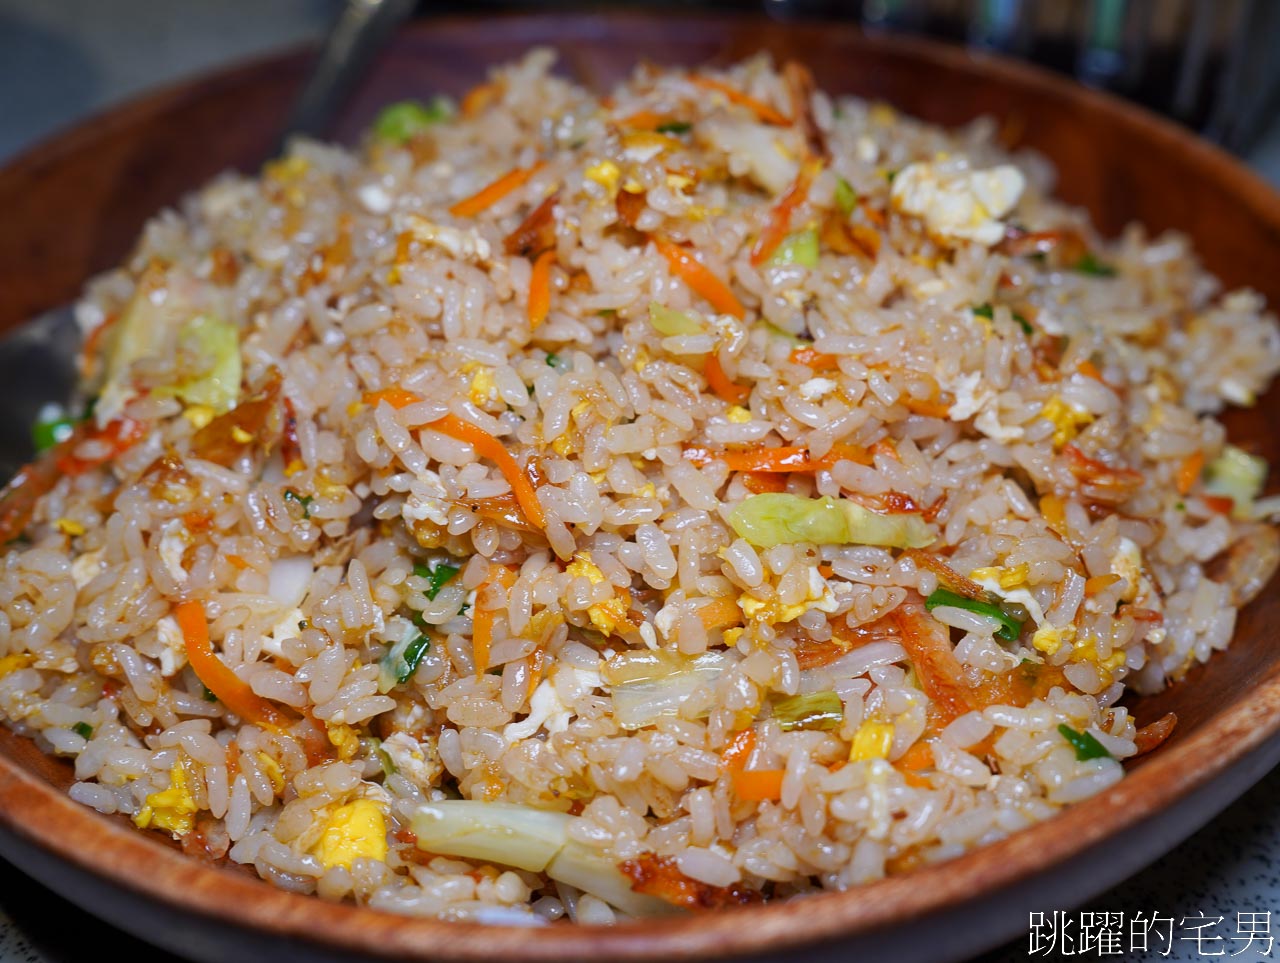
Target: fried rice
580 506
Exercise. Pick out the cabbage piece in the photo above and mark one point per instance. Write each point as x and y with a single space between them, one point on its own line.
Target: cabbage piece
778 518
671 323
649 685
399 123
215 345
534 840
1239 476
798 248
813 710
145 329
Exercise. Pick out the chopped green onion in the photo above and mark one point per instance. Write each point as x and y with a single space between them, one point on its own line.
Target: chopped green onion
780 518
817 710
304 500
207 694
890 175
798 248
1010 628
400 123
401 661
1092 266
83 730
552 360
988 312
674 127
383 757
50 431
437 578
671 323
846 196
1085 745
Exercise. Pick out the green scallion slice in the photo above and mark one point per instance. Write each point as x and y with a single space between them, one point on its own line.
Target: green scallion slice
1085 745
1010 628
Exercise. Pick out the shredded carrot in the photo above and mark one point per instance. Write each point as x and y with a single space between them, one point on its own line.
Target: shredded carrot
1090 370
117 437
885 448
1099 583
759 482
763 111
735 756
478 98
704 283
395 397
922 406
874 215
485 445
230 689
780 217
236 560
197 521
1222 504
482 624
540 288
756 785
1189 471
647 120
490 447
811 357
720 613
782 459
919 756
720 384
487 196
916 781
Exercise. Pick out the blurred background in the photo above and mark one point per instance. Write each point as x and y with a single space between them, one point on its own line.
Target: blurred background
1213 65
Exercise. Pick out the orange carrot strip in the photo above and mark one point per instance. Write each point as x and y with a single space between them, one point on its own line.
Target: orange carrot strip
719 383
782 459
930 409
1189 471
1099 583
482 624
780 217
919 756
230 689
763 111
735 756
646 120
478 98
1089 370
758 482
486 197
485 445
756 785
1222 504
811 357
720 613
396 397
540 288
695 274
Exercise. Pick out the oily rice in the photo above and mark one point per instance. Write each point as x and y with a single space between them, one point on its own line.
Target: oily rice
568 506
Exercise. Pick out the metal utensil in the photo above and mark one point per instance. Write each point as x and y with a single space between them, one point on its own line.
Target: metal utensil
38 360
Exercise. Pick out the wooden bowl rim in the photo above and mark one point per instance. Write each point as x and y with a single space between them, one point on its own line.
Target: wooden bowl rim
37 812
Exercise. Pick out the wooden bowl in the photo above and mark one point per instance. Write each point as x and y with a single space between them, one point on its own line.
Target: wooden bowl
74 205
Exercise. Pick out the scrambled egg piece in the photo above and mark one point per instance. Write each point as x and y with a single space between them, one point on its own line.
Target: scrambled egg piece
1127 563
819 596
463 243
1049 638
872 741
198 415
605 173
271 769
609 614
1087 651
738 415
12 663
1067 420
354 831
960 204
483 388
344 739
69 526
174 541
417 761
172 809
85 568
